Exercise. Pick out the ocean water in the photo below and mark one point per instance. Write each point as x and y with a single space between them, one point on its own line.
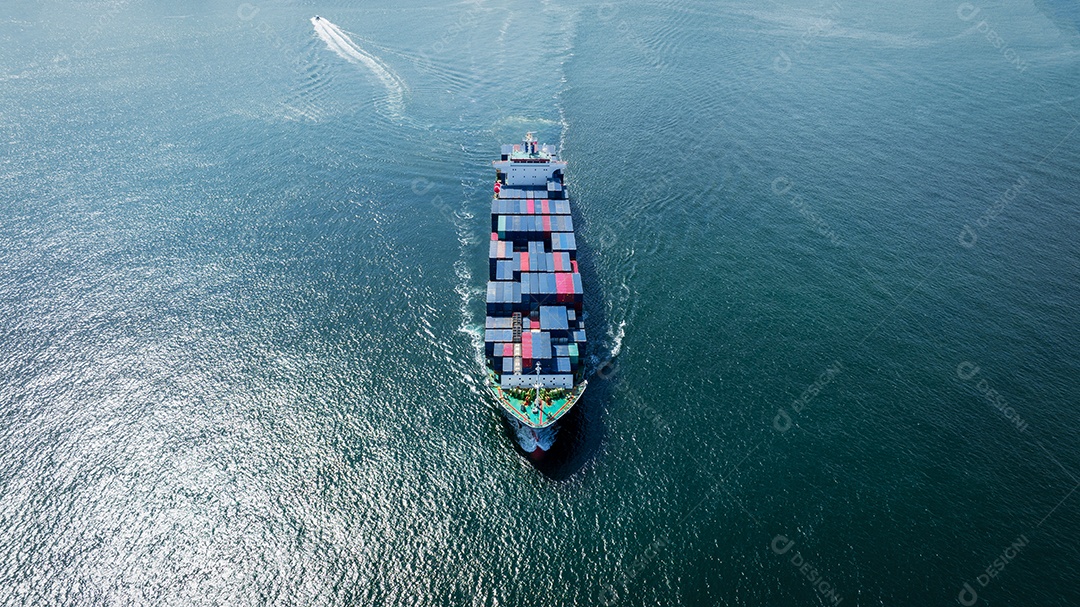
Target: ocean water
833 274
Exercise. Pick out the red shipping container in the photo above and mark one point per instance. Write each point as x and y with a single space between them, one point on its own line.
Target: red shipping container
564 283
573 264
544 207
547 223
529 204
494 235
524 262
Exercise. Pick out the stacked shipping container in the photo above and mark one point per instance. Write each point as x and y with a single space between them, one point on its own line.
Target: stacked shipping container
532 261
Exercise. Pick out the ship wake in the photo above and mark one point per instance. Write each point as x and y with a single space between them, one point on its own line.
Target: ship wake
340 42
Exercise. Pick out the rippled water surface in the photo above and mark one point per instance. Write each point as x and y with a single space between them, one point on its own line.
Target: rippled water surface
832 270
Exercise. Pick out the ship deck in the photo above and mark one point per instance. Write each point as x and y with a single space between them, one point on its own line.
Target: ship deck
534 336
537 417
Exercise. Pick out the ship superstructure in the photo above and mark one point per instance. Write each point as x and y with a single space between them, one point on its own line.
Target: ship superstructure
534 337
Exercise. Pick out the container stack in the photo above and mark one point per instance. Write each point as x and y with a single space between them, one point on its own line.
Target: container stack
534 294
554 188
564 241
529 206
499 250
504 298
528 228
554 320
496 336
549 303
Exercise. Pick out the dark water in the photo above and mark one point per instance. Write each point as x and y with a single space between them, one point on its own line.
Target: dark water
833 270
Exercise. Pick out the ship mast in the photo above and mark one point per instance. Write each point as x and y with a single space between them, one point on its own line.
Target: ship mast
536 400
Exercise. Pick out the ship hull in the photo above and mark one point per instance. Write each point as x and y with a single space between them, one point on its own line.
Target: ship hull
533 442
534 332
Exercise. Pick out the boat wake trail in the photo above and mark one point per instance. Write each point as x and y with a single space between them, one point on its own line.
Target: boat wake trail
340 42
620 311
617 334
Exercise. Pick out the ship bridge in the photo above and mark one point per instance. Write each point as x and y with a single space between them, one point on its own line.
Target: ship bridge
529 164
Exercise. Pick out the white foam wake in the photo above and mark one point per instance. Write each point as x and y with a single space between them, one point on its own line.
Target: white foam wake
340 42
617 336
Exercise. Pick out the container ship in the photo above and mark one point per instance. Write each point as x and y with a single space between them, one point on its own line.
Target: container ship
534 337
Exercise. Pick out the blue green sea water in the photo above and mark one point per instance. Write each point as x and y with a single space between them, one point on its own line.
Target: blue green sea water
832 266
